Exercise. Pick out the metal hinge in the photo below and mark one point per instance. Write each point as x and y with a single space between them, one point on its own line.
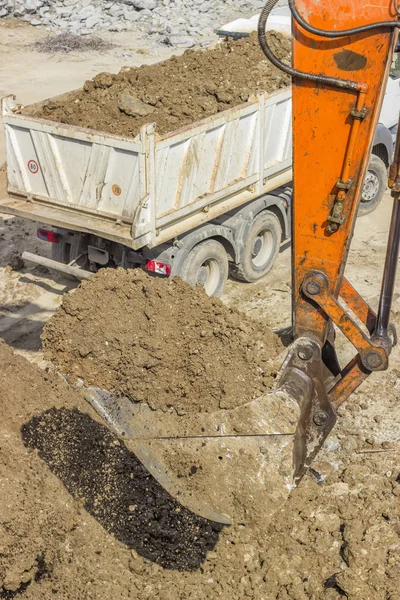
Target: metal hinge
344 185
359 114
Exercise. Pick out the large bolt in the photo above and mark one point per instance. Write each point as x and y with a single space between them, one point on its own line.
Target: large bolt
373 361
305 353
313 288
320 418
332 228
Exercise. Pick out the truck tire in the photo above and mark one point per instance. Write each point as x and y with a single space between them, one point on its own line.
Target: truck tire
261 247
207 265
61 252
374 186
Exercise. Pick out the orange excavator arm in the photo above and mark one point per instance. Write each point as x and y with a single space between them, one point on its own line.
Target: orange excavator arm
342 53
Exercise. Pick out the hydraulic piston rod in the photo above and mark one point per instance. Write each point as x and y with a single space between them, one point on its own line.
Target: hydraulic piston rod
392 255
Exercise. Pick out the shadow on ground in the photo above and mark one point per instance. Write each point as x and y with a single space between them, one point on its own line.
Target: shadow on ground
118 491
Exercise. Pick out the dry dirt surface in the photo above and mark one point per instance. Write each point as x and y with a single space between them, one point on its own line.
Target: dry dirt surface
80 518
173 93
160 342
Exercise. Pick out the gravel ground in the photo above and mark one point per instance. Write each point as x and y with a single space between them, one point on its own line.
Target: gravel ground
176 23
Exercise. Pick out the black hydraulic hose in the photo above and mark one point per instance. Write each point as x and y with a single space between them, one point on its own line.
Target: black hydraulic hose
322 79
335 34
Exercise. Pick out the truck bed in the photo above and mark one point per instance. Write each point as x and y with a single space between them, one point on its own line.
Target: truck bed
150 189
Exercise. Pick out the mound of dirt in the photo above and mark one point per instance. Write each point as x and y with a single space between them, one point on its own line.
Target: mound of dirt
160 342
173 93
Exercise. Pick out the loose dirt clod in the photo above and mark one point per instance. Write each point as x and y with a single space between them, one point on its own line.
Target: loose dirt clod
160 342
180 91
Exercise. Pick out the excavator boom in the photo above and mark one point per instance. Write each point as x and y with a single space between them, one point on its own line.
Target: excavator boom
214 464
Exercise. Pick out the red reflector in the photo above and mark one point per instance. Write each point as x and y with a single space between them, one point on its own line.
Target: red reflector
157 267
48 236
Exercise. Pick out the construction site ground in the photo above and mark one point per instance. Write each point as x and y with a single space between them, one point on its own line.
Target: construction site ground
338 535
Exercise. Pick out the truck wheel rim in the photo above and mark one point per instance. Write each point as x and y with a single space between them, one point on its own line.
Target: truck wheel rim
371 187
209 275
262 248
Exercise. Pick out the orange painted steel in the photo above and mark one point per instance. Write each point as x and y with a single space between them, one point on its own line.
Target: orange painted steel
333 130
352 377
358 305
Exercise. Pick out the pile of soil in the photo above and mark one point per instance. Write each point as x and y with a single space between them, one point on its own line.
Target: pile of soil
173 93
160 342
80 518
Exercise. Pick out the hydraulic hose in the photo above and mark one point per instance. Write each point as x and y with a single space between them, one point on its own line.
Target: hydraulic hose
336 34
322 79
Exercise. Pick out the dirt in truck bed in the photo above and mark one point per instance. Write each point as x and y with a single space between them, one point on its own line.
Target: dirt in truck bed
80 518
160 342
173 93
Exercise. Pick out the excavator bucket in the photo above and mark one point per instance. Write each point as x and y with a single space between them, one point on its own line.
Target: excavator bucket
220 467
229 465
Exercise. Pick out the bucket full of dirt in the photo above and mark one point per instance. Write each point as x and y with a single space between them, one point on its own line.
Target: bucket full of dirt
186 382
160 342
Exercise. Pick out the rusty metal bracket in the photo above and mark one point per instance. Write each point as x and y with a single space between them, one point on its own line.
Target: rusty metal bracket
359 114
318 416
344 185
357 304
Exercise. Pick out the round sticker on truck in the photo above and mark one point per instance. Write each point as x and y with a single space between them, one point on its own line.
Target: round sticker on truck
33 166
116 190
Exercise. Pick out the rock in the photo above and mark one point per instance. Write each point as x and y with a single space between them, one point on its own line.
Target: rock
133 107
16 263
180 42
177 23
33 5
116 11
92 22
142 4
132 16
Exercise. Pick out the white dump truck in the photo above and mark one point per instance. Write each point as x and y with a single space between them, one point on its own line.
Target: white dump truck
187 203
200 202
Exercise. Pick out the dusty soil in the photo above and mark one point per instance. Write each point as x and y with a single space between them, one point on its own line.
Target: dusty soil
81 518
160 342
173 93
43 420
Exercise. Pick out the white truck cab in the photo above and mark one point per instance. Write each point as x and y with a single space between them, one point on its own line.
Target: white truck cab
390 109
